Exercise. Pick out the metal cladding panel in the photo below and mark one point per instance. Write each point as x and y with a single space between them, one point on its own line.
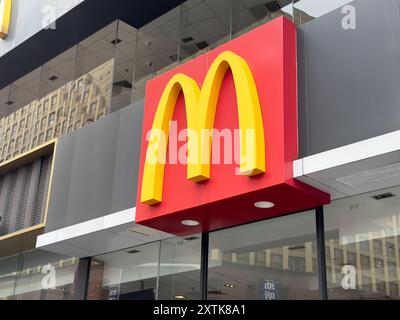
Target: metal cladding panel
349 80
95 169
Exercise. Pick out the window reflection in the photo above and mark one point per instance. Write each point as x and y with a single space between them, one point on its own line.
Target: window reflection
247 15
8 275
365 232
268 260
204 25
168 270
180 268
156 50
129 274
46 276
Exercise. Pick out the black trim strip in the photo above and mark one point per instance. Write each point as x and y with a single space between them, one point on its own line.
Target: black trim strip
319 217
204 265
82 277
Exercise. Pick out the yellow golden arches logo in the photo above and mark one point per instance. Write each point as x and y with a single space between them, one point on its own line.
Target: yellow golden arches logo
200 114
5 17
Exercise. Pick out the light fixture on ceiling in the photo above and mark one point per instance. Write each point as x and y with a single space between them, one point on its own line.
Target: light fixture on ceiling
9 102
123 84
187 39
116 41
190 223
264 204
229 285
53 78
272 6
174 57
299 247
191 238
201 45
383 196
133 251
180 297
216 293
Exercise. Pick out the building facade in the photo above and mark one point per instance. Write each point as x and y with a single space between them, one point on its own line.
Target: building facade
78 219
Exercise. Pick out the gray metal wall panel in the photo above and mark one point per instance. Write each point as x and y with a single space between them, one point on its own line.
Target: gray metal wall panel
58 204
92 171
349 80
127 158
96 167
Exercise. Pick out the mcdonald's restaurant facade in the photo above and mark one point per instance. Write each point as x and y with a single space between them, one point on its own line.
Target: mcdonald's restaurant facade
203 150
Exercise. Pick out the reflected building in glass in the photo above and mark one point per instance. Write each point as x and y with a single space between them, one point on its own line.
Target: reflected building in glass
62 111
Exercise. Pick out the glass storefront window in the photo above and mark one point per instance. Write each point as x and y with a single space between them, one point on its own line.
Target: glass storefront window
156 50
46 276
204 25
167 270
268 260
365 230
249 14
180 268
129 274
56 73
124 65
8 275
66 93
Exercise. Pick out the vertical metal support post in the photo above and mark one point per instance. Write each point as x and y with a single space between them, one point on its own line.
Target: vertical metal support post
204 265
323 287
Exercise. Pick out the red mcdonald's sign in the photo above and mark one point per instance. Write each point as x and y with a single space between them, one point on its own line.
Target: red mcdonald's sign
247 85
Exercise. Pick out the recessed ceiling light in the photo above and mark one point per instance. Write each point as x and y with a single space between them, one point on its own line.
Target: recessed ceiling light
264 204
190 223
180 297
133 251
229 285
